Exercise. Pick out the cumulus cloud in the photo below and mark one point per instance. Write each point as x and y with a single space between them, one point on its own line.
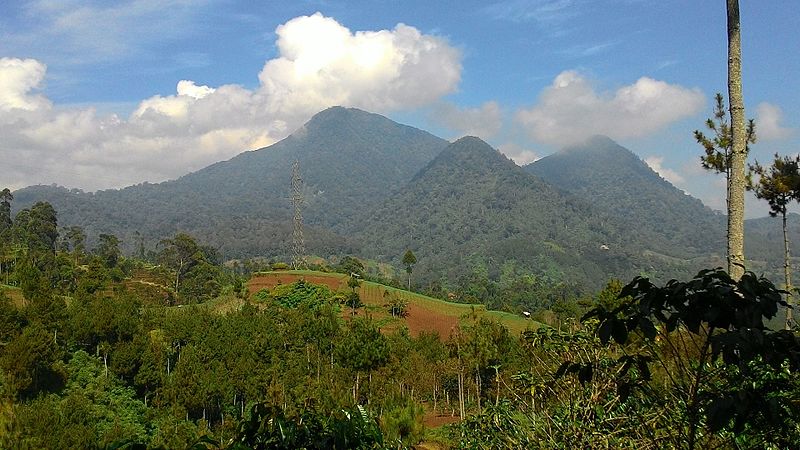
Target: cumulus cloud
323 63
320 64
484 121
657 164
19 78
570 110
768 123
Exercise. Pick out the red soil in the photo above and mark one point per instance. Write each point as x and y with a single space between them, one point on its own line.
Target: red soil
272 280
419 318
432 420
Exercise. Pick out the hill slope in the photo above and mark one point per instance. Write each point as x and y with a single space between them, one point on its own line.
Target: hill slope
662 218
615 180
472 207
425 314
349 160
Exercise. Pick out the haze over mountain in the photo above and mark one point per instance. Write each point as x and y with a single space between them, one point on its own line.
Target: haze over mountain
660 216
614 179
374 188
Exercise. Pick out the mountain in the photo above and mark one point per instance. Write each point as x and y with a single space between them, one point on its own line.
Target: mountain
471 207
349 160
374 188
614 179
675 226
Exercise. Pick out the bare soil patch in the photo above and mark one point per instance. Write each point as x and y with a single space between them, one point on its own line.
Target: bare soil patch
420 319
435 420
269 281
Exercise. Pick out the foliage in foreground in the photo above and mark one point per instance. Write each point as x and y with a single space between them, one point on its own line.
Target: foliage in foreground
685 365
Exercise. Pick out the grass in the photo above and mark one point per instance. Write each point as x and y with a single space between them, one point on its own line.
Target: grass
14 293
373 296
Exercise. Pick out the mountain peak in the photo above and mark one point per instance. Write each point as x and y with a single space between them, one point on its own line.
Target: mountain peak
338 112
473 147
615 179
472 154
598 144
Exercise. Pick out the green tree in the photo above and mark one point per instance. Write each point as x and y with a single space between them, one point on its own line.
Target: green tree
32 281
719 157
11 321
362 349
721 371
31 361
409 260
353 299
40 225
779 185
193 266
77 241
5 209
108 250
350 265
397 305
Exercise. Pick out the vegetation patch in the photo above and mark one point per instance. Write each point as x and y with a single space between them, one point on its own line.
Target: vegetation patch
423 313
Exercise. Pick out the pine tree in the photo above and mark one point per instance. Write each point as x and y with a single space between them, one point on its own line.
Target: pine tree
409 260
726 151
779 185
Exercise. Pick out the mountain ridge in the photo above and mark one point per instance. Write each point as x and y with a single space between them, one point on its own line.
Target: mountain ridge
374 188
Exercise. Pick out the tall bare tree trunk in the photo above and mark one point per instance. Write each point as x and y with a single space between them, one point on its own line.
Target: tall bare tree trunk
736 182
787 273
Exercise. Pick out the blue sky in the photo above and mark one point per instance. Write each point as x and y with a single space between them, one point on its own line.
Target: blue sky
102 94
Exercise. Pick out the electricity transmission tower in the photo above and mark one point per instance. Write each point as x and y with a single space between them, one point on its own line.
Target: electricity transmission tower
298 244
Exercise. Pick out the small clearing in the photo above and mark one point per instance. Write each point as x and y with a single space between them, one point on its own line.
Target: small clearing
423 313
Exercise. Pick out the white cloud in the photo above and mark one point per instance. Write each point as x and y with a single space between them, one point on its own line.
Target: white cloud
18 77
484 121
657 164
520 155
570 110
768 123
320 64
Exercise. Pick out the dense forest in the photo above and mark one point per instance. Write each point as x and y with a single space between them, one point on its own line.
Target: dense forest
375 188
169 349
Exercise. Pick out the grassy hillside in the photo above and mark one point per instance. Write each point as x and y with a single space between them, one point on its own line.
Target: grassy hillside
424 313
13 293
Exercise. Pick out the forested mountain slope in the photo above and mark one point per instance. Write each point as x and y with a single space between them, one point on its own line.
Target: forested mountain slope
472 207
664 218
374 188
349 159
614 179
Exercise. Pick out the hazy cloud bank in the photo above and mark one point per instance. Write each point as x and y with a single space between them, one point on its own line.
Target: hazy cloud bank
570 110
